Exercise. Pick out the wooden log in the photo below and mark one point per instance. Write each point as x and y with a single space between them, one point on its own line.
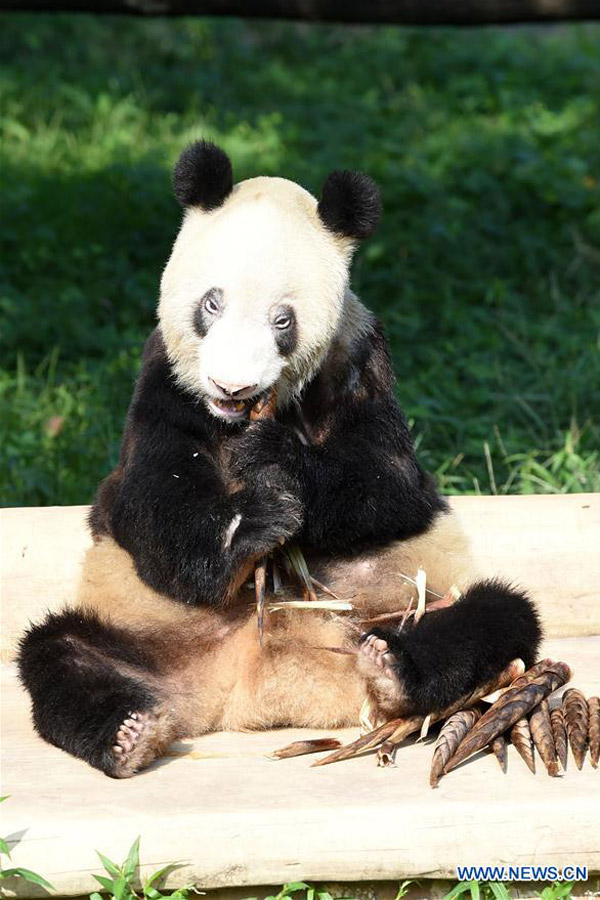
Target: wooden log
401 12
547 542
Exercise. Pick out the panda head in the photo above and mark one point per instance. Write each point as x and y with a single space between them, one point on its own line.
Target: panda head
252 295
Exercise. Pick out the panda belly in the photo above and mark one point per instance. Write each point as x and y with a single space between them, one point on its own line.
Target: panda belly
132 670
211 667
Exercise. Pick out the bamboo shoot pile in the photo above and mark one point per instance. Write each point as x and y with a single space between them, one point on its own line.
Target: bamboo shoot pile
521 710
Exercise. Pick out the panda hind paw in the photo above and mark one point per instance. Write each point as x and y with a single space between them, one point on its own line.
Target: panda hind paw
136 744
375 652
381 667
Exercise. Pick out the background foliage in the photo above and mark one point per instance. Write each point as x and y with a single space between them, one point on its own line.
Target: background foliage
485 271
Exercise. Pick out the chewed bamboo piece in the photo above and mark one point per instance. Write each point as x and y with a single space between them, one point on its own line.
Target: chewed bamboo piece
260 580
453 731
520 735
543 738
403 727
301 748
594 729
328 605
386 754
576 713
421 585
513 705
559 733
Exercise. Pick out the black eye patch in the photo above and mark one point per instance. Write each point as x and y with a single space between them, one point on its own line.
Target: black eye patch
207 310
285 329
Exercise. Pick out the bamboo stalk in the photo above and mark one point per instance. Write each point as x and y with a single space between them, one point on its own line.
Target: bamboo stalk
301 748
520 735
559 733
499 750
264 408
594 729
403 727
509 708
453 731
576 713
260 580
543 738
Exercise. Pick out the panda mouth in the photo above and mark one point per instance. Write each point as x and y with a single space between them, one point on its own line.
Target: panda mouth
231 409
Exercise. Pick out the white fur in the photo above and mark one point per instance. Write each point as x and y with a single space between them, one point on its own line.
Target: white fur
231 530
265 246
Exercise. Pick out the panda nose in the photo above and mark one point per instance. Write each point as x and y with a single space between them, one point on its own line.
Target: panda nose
238 391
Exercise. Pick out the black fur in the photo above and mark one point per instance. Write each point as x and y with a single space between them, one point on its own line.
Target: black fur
286 338
350 204
202 318
169 503
203 176
361 485
450 652
70 664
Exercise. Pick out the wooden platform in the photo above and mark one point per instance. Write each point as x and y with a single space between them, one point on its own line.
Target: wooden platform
232 817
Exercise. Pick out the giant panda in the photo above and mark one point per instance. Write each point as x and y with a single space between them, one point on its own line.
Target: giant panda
162 640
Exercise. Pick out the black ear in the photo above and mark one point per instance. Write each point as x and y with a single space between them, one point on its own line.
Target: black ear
350 204
203 176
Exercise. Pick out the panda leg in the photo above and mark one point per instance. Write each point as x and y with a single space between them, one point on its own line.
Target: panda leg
94 694
426 667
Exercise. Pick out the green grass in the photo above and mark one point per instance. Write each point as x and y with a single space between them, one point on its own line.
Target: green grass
485 270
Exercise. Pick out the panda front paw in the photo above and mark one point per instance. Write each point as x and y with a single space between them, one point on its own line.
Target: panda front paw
263 445
270 513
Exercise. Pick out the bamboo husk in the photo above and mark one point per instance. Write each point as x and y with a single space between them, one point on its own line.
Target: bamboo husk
559 733
403 727
543 738
297 564
520 735
594 729
508 709
523 679
301 748
453 731
576 713
499 750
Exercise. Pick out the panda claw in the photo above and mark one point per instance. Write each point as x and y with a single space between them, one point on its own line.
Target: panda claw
133 725
379 666
137 742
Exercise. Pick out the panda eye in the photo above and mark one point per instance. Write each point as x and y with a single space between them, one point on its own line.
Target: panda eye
283 322
210 305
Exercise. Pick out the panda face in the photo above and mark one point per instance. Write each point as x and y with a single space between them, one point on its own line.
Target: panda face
252 296
221 325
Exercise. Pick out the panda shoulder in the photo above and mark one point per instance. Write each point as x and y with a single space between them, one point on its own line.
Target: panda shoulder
159 397
360 353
